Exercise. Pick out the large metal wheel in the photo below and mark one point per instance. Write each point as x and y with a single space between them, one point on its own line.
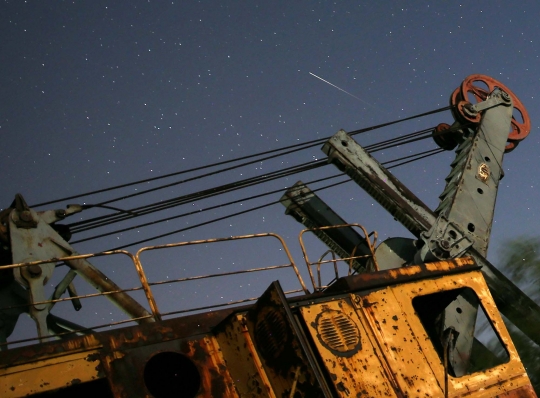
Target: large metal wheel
476 88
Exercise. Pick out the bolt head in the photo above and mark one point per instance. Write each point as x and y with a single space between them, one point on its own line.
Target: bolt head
35 271
25 215
469 110
445 245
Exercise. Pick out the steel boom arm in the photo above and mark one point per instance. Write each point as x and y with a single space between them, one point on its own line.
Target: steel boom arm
386 189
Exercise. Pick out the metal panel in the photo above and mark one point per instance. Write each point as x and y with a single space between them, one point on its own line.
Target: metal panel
350 358
285 354
488 383
126 368
242 359
391 326
50 374
521 392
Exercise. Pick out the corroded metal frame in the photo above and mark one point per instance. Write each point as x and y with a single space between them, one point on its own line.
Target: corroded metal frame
140 272
146 286
371 246
291 264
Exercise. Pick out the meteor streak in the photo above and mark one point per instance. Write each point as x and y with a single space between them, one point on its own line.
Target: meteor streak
340 89
333 85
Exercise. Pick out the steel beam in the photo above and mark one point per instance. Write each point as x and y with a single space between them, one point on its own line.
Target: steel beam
386 189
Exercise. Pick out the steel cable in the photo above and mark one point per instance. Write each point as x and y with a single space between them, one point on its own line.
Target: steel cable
410 158
162 205
298 147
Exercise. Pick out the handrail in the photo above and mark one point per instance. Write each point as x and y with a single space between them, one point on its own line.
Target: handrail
146 286
350 259
231 238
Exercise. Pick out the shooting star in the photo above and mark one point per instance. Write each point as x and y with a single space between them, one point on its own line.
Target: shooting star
340 89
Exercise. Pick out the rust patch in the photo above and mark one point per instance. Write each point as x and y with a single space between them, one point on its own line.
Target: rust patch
521 392
394 276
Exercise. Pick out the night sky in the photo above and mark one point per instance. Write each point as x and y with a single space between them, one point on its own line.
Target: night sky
95 94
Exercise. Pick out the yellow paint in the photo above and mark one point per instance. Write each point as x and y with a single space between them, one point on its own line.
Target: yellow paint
370 344
490 383
360 373
397 354
243 361
48 374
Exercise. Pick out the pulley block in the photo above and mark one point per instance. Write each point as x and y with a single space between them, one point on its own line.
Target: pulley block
475 89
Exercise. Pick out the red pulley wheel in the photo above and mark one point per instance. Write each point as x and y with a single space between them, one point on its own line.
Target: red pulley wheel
474 86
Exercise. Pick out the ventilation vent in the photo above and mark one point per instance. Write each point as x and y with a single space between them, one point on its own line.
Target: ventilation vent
271 333
338 332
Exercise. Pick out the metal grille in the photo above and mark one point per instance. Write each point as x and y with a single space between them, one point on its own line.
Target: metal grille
338 331
271 333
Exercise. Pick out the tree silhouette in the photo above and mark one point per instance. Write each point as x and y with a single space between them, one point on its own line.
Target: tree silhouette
519 260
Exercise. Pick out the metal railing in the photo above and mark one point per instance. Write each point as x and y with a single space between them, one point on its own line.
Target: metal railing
291 264
317 284
145 285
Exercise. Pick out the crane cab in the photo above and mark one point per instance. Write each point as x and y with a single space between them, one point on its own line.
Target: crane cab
378 334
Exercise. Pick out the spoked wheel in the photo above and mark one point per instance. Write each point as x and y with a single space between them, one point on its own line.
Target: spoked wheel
476 88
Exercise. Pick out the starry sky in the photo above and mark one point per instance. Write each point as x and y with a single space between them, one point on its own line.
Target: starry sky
96 94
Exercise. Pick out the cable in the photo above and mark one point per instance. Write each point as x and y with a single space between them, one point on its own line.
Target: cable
307 144
429 153
415 156
395 142
213 220
245 199
364 130
198 195
241 165
95 222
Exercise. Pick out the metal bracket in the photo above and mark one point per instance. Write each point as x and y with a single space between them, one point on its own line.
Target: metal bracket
444 242
35 240
498 97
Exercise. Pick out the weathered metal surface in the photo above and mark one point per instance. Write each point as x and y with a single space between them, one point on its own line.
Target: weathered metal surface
348 353
42 242
51 374
46 367
402 275
491 382
114 353
242 359
465 214
470 89
371 343
395 252
391 327
382 185
395 345
203 352
520 392
15 306
283 349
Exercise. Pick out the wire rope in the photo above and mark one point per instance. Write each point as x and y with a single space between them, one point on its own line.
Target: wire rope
198 196
410 158
162 205
300 146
